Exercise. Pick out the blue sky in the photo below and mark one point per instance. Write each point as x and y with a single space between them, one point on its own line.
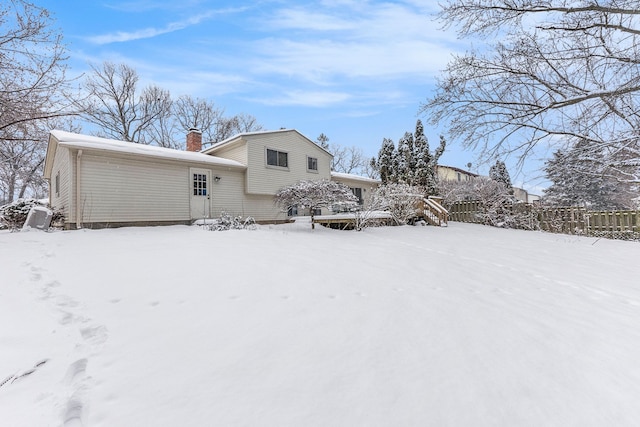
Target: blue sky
356 71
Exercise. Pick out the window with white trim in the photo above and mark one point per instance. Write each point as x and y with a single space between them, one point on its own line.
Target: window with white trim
277 158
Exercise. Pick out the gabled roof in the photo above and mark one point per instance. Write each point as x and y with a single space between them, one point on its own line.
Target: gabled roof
74 140
242 136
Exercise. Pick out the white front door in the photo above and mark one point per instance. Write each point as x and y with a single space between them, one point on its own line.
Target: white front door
200 185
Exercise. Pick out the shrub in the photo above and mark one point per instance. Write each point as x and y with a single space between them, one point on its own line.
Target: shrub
14 214
228 222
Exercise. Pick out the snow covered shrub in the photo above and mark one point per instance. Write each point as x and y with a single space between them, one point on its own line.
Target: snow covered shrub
227 222
314 195
13 215
497 206
401 200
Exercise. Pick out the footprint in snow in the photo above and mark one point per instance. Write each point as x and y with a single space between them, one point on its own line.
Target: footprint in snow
95 334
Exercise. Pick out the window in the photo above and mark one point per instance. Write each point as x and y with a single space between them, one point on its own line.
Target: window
57 184
312 164
293 211
199 184
358 193
277 158
459 176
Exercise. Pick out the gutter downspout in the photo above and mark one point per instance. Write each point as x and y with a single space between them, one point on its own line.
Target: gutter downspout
78 208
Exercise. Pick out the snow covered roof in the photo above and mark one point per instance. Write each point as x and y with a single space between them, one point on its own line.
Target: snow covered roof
74 140
352 177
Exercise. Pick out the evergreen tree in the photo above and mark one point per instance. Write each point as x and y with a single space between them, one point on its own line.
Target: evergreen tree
405 159
432 184
412 163
572 186
386 161
422 174
499 173
323 141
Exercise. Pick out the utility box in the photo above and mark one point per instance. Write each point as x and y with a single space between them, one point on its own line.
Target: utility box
39 217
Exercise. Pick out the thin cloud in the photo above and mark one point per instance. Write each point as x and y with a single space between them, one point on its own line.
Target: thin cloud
307 99
148 5
146 33
379 41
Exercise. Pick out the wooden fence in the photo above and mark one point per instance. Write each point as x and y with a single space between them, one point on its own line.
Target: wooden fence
572 220
466 211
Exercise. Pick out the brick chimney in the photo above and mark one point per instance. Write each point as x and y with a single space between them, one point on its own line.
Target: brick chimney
194 140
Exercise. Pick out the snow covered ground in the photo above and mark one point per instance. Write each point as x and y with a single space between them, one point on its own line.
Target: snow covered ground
284 326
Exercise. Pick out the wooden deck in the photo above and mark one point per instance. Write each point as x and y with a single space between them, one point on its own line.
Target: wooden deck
347 221
428 209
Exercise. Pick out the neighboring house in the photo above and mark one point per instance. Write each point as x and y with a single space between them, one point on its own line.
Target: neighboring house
523 195
450 173
100 182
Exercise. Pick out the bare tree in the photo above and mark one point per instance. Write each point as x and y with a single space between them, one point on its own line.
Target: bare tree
563 72
33 90
118 108
247 123
348 159
227 127
314 195
345 159
198 113
22 159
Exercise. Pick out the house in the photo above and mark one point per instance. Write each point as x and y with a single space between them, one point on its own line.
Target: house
100 182
450 173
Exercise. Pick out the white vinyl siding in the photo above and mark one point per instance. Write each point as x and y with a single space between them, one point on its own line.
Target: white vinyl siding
227 194
237 152
125 190
61 168
265 180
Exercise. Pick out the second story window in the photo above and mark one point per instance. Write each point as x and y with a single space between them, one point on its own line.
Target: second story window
277 158
312 164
